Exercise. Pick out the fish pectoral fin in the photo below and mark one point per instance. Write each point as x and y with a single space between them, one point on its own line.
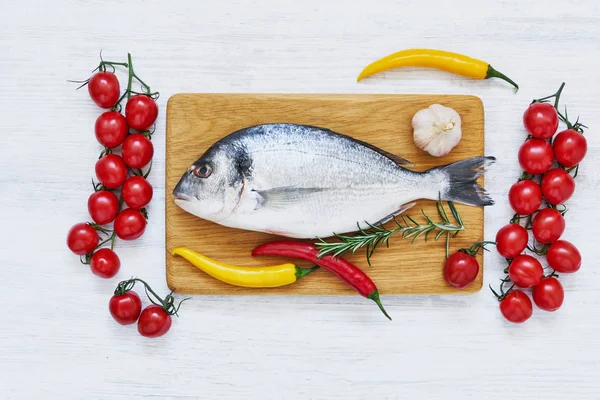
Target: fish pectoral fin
392 215
282 196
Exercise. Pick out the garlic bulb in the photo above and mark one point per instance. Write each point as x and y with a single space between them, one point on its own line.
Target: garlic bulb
437 129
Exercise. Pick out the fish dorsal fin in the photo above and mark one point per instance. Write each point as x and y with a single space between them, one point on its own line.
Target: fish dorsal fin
280 197
396 159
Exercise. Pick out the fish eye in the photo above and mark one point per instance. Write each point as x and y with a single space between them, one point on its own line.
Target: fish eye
202 171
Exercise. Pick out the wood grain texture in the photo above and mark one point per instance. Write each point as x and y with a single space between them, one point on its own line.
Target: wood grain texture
196 121
57 340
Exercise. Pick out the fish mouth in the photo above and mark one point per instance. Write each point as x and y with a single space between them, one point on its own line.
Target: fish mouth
181 197
180 194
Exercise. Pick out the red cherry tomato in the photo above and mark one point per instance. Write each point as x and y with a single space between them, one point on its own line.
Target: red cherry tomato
536 156
549 294
130 224
516 307
525 271
137 150
548 225
125 308
154 322
557 185
103 207
511 240
460 269
105 263
141 112
104 89
137 192
569 147
541 120
111 171
82 239
563 257
111 129
525 197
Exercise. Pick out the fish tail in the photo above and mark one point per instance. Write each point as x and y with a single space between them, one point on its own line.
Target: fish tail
460 181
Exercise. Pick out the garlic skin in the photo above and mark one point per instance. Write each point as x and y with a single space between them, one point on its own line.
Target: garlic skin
437 129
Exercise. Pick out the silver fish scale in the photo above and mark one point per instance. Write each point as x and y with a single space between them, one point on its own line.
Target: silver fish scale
358 184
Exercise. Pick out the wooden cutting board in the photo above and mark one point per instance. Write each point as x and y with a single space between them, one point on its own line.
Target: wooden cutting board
195 121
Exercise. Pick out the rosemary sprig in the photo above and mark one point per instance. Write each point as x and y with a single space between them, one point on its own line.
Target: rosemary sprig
408 227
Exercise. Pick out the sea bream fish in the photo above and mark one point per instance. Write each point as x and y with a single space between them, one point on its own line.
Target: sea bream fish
304 181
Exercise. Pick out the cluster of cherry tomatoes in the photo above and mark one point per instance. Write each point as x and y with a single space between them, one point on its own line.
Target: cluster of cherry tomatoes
121 181
543 182
125 306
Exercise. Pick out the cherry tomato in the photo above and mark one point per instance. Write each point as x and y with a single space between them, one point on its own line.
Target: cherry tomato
105 263
549 294
525 197
137 150
541 120
141 112
557 185
536 156
130 224
548 225
516 306
154 322
111 171
563 257
82 239
525 271
460 269
125 308
111 129
103 207
104 89
569 147
511 240
137 192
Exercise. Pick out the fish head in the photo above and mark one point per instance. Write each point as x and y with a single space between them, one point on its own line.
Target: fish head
211 187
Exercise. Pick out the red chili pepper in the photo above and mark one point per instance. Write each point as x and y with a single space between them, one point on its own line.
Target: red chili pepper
348 272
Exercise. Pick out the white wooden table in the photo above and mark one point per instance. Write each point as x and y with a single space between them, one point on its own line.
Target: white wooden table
57 339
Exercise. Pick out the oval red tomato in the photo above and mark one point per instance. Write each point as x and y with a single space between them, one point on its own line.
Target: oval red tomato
549 294
141 112
525 197
154 322
511 240
563 257
105 263
516 307
82 239
536 156
137 192
125 308
104 89
525 271
111 129
137 150
541 120
569 147
460 269
130 224
558 186
111 171
548 225
103 207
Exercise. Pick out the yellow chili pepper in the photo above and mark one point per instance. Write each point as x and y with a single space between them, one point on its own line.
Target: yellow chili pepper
439 59
256 277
